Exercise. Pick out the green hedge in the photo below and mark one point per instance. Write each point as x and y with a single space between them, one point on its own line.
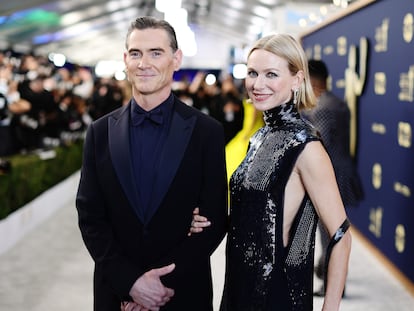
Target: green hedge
30 176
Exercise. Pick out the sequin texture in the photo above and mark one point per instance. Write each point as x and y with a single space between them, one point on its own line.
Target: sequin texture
256 257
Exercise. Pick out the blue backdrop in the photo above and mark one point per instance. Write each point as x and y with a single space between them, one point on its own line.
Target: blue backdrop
384 116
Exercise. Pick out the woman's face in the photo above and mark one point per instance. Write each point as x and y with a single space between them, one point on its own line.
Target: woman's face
269 83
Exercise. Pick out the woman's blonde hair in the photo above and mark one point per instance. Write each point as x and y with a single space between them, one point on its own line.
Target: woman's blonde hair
286 47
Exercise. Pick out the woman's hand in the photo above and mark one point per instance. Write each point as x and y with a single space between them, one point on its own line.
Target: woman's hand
199 222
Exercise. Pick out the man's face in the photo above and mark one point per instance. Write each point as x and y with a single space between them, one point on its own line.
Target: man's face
150 62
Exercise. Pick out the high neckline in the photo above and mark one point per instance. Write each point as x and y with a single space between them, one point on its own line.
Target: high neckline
280 115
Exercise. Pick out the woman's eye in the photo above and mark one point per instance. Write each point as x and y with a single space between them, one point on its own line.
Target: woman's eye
252 74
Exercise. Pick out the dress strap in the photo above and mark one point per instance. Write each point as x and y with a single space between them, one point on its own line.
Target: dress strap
335 239
339 233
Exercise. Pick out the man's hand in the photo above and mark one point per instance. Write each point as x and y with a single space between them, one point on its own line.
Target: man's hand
148 291
132 306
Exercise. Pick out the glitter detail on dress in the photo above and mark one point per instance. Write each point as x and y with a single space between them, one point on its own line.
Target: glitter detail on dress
257 263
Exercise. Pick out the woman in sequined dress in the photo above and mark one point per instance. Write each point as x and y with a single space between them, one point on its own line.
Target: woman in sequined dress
283 186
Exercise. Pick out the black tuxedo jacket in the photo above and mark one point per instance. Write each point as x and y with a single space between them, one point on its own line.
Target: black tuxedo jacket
124 245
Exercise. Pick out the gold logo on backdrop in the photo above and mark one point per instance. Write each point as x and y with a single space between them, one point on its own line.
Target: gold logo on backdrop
308 52
402 189
329 83
377 176
407 85
341 46
380 87
381 36
404 134
400 238
375 221
317 51
378 128
328 50
354 84
340 83
408 27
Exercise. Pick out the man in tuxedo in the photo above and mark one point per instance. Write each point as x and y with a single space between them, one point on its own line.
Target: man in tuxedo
146 166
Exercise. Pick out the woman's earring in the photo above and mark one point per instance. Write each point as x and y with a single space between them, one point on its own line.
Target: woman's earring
295 96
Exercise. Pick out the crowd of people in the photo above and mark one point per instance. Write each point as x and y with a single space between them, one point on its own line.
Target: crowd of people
222 99
42 105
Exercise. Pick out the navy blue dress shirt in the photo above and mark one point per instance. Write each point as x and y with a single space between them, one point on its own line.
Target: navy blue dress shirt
148 134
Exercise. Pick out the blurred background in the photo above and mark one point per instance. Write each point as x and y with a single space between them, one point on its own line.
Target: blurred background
92 32
61 68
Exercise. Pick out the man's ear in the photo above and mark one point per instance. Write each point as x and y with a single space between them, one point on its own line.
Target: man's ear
178 58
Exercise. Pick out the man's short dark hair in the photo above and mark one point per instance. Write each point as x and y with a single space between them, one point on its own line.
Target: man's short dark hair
146 22
318 69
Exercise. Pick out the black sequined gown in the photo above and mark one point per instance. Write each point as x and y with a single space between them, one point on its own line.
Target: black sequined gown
262 274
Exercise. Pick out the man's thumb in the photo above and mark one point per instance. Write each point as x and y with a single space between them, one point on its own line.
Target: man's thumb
166 269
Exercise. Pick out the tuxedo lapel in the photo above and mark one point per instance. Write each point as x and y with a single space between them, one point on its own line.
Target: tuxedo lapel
171 157
119 148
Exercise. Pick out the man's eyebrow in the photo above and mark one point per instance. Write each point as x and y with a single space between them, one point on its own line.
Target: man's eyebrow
151 50
157 50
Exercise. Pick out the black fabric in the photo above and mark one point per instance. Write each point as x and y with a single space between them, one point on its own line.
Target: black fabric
3 107
148 135
261 274
140 115
123 245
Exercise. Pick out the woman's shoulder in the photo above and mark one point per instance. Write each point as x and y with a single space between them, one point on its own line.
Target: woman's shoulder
306 132
313 155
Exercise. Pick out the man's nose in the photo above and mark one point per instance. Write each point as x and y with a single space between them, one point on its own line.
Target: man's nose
144 61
